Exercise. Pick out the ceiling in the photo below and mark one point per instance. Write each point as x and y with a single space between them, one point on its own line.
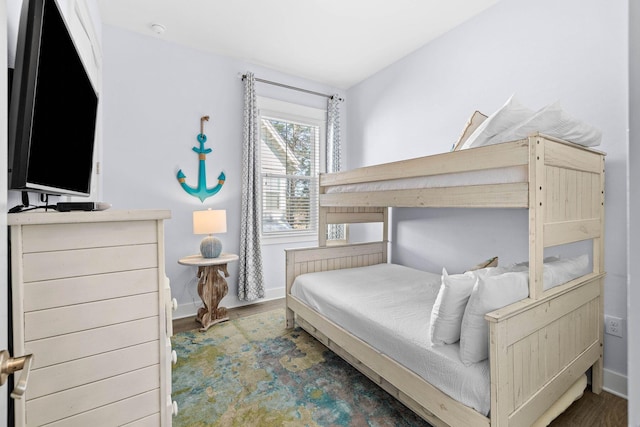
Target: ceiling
335 42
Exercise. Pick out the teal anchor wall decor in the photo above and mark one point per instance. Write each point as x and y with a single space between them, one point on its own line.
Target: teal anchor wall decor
201 191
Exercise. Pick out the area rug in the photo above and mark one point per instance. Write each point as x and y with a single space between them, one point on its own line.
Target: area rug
253 372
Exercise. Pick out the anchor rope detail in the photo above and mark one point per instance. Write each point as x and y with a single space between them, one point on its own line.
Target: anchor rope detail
201 191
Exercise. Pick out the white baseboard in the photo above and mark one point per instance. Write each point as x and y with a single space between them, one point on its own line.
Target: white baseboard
229 301
615 383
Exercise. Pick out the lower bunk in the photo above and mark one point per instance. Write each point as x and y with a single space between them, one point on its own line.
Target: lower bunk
537 349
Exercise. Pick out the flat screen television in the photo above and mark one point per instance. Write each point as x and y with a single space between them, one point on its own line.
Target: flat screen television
53 107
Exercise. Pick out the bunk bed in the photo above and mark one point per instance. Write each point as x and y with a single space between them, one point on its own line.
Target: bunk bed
538 346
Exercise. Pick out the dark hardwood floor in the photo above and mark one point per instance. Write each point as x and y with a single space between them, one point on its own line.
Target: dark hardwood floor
190 323
591 410
603 410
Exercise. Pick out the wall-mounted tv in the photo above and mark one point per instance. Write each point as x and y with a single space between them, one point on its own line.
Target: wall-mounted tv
53 107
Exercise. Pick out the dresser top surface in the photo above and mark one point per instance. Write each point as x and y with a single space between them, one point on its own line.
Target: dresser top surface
54 217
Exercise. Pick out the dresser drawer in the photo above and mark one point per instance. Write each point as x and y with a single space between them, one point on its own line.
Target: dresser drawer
75 373
79 290
74 401
58 321
119 413
59 237
84 262
58 349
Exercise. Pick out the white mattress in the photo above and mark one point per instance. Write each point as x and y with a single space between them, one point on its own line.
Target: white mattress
389 307
506 175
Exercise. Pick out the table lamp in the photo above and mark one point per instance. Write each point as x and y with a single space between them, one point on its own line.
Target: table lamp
210 222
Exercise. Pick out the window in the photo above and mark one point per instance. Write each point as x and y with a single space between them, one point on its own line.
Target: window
291 137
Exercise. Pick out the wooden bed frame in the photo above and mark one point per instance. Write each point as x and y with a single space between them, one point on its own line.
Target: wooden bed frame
539 346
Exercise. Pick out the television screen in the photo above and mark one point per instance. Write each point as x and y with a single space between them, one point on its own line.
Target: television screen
53 111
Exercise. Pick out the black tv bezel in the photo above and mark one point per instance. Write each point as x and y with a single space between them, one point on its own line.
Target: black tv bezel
22 102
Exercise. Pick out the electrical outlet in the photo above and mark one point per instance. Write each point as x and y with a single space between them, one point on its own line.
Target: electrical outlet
613 326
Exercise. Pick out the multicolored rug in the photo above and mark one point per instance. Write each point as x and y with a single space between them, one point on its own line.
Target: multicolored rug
253 372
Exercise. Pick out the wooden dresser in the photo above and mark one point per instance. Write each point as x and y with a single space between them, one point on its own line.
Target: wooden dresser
91 301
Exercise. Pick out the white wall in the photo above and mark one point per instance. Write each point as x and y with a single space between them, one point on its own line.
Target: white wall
634 213
154 95
574 51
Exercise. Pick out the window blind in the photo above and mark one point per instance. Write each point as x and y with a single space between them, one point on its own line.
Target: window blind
289 171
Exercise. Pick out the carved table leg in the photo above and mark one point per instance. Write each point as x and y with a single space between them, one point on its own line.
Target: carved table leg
212 287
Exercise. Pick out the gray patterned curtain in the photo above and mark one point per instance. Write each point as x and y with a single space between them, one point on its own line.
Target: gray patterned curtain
334 231
250 282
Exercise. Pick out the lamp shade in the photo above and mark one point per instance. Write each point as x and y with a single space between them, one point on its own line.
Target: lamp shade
210 221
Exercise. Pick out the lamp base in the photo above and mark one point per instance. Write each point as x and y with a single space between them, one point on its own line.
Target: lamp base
210 247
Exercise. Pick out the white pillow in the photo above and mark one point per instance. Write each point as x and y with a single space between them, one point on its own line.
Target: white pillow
524 266
489 271
446 315
563 270
557 271
551 120
489 293
509 115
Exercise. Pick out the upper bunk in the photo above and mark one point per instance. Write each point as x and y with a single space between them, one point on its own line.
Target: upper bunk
559 182
493 176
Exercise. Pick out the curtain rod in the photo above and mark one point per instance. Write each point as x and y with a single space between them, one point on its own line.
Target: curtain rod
269 82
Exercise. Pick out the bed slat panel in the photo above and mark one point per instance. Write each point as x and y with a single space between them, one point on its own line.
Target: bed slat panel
487 157
568 157
559 233
566 337
552 193
549 344
527 316
355 209
345 251
512 195
572 197
501 368
354 217
570 194
586 206
309 260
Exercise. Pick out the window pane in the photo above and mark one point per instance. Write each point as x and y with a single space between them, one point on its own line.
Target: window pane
289 162
287 204
288 146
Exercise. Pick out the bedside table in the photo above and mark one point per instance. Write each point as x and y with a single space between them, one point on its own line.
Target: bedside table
212 286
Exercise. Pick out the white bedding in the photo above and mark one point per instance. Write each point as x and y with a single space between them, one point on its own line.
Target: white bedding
389 307
504 175
514 121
